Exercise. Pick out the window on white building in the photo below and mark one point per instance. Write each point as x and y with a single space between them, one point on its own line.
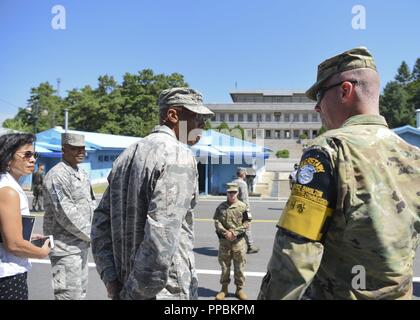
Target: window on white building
241 117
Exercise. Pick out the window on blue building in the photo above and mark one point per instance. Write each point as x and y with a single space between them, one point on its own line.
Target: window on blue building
101 158
106 158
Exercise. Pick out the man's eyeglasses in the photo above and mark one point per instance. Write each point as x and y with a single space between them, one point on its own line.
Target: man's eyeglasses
29 154
321 92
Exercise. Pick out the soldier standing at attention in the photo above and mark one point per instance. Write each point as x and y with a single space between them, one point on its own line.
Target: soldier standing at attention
244 197
350 228
69 206
232 219
142 231
37 181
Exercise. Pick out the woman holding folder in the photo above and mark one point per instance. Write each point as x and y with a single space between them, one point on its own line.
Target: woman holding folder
17 159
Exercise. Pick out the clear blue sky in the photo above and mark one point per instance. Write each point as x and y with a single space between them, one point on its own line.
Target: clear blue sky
264 44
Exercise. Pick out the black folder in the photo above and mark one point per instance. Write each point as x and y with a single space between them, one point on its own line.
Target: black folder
27 227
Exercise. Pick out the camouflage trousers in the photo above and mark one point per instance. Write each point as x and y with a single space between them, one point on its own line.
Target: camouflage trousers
70 276
235 251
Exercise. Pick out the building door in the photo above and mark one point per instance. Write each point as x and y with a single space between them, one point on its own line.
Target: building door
201 177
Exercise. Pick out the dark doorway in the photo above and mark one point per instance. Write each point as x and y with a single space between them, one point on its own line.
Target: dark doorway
201 177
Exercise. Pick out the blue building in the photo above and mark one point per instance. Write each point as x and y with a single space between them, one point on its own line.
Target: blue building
101 149
409 134
218 156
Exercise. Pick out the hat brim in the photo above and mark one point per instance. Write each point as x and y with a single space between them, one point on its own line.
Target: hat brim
200 109
312 91
75 144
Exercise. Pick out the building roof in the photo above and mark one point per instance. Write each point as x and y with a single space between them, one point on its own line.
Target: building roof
215 144
408 129
267 107
51 139
268 92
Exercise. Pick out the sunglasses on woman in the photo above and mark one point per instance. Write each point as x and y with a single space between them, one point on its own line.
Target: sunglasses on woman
28 155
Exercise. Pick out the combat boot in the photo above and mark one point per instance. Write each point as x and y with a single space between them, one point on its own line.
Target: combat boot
240 294
223 293
253 249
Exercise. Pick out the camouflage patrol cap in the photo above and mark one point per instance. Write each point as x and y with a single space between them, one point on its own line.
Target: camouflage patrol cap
232 187
183 97
241 171
349 60
73 139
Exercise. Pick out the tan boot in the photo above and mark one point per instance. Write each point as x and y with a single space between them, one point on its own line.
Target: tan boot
223 293
240 294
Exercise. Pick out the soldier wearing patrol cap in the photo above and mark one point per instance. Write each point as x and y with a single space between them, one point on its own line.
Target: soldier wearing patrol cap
244 197
142 231
350 227
232 219
69 206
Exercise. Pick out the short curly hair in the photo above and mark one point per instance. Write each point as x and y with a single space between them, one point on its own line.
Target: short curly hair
9 144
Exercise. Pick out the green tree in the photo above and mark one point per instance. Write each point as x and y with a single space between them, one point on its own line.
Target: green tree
416 70
395 106
44 110
403 75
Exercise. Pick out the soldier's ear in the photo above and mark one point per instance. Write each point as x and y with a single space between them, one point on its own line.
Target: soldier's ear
172 116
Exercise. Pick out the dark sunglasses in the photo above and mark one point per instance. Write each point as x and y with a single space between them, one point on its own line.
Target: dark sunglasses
321 92
232 191
29 154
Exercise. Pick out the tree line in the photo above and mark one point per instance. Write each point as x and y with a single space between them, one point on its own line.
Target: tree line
130 108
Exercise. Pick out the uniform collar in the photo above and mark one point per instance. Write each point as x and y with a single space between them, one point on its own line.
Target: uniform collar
70 169
164 129
363 119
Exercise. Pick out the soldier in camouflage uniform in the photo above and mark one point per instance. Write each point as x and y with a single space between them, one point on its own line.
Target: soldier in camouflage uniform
69 205
231 219
350 228
37 182
142 232
243 196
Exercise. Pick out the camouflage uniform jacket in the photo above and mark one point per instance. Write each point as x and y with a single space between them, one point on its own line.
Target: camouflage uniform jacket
368 179
69 204
231 216
243 190
142 233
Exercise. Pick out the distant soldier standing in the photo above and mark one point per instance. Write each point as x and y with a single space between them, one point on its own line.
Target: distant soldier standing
37 181
243 196
350 228
69 206
232 219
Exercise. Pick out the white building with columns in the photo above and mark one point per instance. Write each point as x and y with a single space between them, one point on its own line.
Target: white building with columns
281 114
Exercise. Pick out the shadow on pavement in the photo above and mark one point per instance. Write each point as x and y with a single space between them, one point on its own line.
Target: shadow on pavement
206 293
416 289
207 251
